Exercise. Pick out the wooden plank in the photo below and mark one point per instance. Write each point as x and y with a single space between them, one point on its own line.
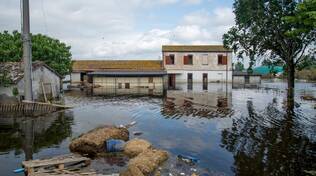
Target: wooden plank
54 161
44 92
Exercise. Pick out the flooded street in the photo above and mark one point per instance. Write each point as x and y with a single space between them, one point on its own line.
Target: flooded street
230 131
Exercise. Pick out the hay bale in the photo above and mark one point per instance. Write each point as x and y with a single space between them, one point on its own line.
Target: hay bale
136 146
92 143
148 161
132 171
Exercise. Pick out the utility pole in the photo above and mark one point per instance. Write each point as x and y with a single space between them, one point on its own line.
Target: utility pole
27 51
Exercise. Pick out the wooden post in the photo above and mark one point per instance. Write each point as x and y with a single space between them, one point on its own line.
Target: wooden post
44 92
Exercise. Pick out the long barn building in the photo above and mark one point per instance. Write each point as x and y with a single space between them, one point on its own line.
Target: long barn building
120 77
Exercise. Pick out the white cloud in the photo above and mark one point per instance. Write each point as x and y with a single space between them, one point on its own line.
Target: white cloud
109 29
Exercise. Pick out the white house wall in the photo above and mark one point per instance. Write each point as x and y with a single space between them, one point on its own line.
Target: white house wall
212 76
216 72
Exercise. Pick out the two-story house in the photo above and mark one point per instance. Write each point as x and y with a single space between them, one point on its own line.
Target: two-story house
197 63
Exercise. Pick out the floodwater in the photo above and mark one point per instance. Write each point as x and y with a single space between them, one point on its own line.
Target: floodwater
231 131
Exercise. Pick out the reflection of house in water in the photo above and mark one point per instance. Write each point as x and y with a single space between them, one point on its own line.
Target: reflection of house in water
216 102
32 134
109 77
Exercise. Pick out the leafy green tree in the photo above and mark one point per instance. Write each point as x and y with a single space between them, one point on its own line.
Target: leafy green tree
304 19
242 43
265 20
5 81
239 66
306 63
51 51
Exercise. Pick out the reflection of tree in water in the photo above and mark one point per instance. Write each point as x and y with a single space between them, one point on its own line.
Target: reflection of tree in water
270 143
199 105
32 134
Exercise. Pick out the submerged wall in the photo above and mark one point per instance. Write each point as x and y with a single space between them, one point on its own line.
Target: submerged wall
128 85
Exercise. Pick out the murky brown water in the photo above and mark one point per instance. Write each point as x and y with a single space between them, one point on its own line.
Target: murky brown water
230 131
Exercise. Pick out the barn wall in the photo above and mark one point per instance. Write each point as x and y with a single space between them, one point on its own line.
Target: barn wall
137 85
50 80
254 79
238 79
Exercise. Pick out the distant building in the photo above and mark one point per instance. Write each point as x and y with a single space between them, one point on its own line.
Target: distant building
197 63
119 77
245 79
44 80
265 70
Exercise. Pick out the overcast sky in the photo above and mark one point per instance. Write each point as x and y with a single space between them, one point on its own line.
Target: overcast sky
123 29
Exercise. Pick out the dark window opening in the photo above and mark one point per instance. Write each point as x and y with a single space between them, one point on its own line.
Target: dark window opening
188 60
170 59
247 79
127 86
222 60
82 75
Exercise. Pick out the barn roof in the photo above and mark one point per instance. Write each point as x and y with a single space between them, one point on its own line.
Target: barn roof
116 65
128 73
241 73
15 70
195 48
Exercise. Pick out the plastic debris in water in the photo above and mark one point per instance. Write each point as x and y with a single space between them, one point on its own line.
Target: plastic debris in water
18 170
188 159
137 133
128 125
114 145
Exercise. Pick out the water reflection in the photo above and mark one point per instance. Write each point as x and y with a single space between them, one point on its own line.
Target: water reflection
29 134
272 141
198 103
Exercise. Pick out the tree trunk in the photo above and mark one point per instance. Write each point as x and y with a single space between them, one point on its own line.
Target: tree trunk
290 83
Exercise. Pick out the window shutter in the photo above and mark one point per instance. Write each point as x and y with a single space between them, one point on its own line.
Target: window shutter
185 60
168 60
220 59
224 61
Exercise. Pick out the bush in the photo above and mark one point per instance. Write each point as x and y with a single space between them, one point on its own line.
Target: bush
15 91
307 74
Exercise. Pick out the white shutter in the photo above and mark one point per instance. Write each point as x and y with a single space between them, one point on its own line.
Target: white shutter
204 60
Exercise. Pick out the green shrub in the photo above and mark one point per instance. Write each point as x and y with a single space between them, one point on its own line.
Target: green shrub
15 91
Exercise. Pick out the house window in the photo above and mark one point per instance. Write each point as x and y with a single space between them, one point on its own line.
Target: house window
170 59
188 60
204 60
222 60
120 85
126 85
150 79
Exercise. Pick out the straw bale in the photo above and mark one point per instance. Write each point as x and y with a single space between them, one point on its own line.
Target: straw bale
92 142
136 146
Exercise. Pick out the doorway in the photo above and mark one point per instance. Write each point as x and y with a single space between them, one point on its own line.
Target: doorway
247 79
171 81
190 81
204 81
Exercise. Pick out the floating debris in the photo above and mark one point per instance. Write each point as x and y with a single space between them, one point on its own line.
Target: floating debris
114 145
188 159
137 133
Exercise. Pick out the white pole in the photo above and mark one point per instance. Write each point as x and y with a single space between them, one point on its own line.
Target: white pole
27 51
